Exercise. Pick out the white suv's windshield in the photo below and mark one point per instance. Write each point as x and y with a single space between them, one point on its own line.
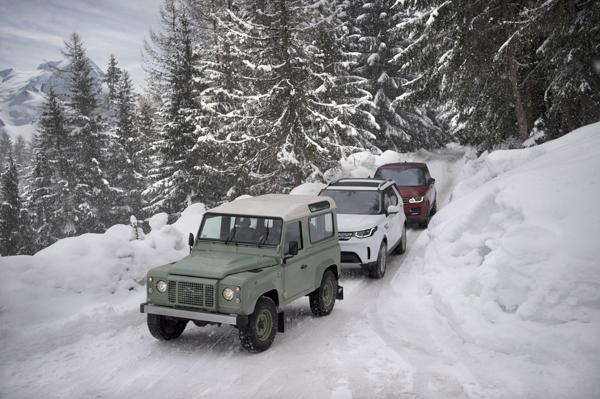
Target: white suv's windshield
355 202
403 177
241 229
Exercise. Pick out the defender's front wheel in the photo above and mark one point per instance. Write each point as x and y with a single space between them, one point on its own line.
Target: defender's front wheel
165 328
259 333
323 298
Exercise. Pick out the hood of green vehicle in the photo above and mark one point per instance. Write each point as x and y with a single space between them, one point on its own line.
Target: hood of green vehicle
217 264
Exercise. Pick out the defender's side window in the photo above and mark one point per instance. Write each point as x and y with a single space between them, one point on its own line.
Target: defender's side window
320 227
293 232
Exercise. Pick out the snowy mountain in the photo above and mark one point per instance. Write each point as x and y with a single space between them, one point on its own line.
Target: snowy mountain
22 94
498 298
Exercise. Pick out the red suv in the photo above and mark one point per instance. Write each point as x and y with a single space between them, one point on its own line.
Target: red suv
416 187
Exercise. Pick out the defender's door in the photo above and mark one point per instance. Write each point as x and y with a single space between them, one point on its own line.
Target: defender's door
296 268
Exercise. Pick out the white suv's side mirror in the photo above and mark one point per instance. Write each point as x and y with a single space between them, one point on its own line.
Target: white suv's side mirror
393 209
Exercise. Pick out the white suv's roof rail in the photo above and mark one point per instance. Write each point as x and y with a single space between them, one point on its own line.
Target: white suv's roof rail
360 184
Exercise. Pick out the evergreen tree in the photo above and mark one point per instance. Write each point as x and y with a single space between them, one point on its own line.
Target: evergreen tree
51 193
113 74
92 191
176 180
301 112
5 149
22 156
127 155
10 209
500 68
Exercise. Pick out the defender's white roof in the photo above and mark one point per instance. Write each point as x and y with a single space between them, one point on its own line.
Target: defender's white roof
285 206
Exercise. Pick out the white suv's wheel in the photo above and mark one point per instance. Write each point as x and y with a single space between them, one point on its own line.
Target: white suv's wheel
378 270
401 247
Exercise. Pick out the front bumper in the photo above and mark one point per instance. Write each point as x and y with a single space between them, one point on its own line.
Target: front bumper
189 314
415 212
361 252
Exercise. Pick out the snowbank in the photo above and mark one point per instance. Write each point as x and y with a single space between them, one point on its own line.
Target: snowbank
512 263
88 270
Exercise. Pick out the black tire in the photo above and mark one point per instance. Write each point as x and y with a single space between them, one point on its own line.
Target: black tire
260 332
322 300
165 328
378 270
434 208
401 247
425 222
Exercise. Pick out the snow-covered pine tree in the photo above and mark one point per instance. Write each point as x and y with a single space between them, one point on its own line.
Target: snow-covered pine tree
113 74
5 149
499 66
224 148
21 156
176 180
373 35
126 167
10 209
567 61
50 197
146 131
302 120
92 191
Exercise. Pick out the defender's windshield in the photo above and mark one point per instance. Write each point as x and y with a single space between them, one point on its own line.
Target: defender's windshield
403 177
240 229
355 202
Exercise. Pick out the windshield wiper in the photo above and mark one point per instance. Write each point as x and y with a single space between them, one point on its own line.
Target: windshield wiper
231 235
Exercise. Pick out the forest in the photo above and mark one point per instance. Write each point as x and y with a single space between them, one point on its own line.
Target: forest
253 97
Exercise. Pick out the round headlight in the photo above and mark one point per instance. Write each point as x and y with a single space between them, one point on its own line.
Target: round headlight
228 294
161 286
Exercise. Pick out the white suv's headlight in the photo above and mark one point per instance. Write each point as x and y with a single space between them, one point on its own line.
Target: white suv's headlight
415 200
161 286
365 233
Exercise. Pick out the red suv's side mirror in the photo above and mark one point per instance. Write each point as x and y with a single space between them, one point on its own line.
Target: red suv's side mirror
431 180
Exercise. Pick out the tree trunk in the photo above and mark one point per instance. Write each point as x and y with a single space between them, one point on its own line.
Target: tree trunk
520 111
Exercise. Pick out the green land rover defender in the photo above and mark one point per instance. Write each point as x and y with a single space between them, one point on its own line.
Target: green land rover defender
251 257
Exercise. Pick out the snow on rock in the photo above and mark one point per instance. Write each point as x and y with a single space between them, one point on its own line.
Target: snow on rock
512 265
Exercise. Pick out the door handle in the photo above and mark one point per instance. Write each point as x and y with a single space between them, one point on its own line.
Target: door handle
303 266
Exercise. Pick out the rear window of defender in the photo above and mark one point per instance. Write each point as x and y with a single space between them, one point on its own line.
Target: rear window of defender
320 227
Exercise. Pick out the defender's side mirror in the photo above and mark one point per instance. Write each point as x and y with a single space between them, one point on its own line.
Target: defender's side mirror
293 250
431 180
191 241
393 209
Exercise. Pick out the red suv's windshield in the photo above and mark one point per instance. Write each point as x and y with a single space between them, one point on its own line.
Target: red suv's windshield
403 177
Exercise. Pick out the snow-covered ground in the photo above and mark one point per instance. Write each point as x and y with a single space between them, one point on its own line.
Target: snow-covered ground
499 298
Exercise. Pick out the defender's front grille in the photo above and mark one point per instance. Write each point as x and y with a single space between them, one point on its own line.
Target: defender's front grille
405 201
189 293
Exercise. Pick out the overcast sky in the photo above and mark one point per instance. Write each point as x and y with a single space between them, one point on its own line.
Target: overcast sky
33 31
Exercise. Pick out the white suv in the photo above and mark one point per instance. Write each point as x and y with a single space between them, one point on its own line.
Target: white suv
371 222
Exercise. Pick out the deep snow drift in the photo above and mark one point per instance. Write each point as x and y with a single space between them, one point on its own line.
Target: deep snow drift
499 298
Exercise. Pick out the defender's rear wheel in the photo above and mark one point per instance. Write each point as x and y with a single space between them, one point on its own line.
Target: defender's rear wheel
379 269
259 334
323 298
401 248
165 328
